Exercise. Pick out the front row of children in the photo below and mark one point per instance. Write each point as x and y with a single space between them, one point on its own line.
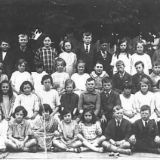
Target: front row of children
67 135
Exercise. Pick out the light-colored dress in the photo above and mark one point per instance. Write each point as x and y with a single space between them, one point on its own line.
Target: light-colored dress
71 60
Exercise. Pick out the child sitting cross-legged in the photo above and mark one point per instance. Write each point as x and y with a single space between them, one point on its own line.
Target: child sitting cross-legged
68 130
20 136
90 132
117 133
145 136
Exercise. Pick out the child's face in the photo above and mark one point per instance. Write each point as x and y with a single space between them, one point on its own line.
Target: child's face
90 86
140 48
145 115
4 46
47 42
87 39
60 66
67 118
104 46
98 68
19 116
23 41
21 67
107 86
144 87
27 89
88 117
120 68
47 84
46 115
69 88
67 46
123 46
118 114
39 69
139 68
127 91
156 69
5 88
81 68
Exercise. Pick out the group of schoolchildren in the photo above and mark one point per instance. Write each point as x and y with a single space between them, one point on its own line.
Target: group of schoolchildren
75 102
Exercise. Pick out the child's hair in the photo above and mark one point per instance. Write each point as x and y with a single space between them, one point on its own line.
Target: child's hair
146 81
103 40
25 83
120 62
20 62
63 46
87 34
10 92
116 108
98 62
144 108
22 36
45 36
139 62
94 119
90 79
3 117
64 112
80 61
141 42
61 60
18 109
45 77
45 108
39 65
70 81
127 85
107 80
118 48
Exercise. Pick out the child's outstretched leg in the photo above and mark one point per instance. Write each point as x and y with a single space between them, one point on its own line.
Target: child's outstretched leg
113 148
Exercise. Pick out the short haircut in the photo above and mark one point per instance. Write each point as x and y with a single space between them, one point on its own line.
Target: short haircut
25 83
20 62
45 77
145 108
117 108
139 62
39 65
22 36
70 81
45 108
18 109
107 80
90 79
87 34
94 118
127 85
61 60
120 62
64 112
98 62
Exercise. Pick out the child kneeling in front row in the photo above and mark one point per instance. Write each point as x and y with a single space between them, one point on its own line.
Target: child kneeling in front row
117 133
145 136
20 136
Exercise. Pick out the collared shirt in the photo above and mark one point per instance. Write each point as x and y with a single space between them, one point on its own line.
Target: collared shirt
19 130
89 100
118 122
89 46
47 57
3 55
144 122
